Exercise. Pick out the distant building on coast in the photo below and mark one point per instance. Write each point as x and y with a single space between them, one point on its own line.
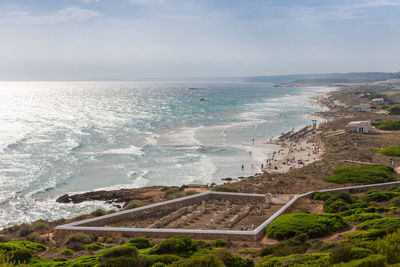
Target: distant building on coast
359 127
378 100
363 108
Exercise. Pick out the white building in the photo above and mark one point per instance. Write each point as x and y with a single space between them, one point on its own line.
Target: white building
363 108
359 126
378 100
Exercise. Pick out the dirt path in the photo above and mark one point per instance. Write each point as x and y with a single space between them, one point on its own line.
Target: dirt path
51 239
336 236
318 209
268 241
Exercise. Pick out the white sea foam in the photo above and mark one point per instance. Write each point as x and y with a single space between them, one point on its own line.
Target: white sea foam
185 136
131 150
152 138
67 136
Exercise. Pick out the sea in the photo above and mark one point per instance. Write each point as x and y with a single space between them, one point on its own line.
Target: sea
73 137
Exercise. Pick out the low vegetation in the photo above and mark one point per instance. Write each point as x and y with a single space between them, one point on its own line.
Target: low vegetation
313 225
374 242
390 151
389 125
173 192
369 174
372 219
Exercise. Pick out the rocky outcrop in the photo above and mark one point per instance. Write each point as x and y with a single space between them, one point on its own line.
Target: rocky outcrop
148 194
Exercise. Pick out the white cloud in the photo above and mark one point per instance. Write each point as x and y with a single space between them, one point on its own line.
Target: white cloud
147 2
348 11
69 14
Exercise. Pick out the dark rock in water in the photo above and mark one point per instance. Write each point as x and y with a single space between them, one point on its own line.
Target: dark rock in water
202 99
227 179
149 194
64 199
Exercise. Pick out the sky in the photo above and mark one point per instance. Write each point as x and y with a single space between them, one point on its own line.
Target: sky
141 39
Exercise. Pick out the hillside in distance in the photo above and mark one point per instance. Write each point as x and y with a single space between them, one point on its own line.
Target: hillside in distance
353 77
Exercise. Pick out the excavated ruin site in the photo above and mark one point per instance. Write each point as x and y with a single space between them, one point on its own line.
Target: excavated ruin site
210 214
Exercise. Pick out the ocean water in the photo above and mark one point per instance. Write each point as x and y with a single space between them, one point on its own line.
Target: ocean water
69 137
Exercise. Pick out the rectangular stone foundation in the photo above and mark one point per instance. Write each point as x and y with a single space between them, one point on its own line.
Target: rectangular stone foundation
93 226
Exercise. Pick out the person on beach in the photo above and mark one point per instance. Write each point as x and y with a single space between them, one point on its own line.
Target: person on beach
242 167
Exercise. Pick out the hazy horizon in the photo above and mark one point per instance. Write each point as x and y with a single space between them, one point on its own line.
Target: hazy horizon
174 39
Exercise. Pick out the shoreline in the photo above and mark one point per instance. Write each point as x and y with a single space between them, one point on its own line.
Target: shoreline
305 151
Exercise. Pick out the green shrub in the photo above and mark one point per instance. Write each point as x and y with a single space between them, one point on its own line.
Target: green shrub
66 252
98 212
370 261
165 259
232 260
348 253
124 261
371 209
224 188
390 247
297 245
321 195
245 251
328 247
378 196
389 125
335 206
77 240
395 202
94 246
182 246
40 225
115 252
158 264
379 223
358 204
140 242
312 259
173 192
370 174
14 245
5 259
314 225
133 204
176 192
362 217
221 243
36 238
84 261
390 151
199 261
202 243
60 259
21 255
369 235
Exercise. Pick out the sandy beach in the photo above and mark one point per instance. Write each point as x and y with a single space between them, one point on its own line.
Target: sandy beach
296 149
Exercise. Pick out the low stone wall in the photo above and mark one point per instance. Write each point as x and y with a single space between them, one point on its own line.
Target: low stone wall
89 226
164 208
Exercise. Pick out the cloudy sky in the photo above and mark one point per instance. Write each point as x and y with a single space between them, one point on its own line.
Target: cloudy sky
135 39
